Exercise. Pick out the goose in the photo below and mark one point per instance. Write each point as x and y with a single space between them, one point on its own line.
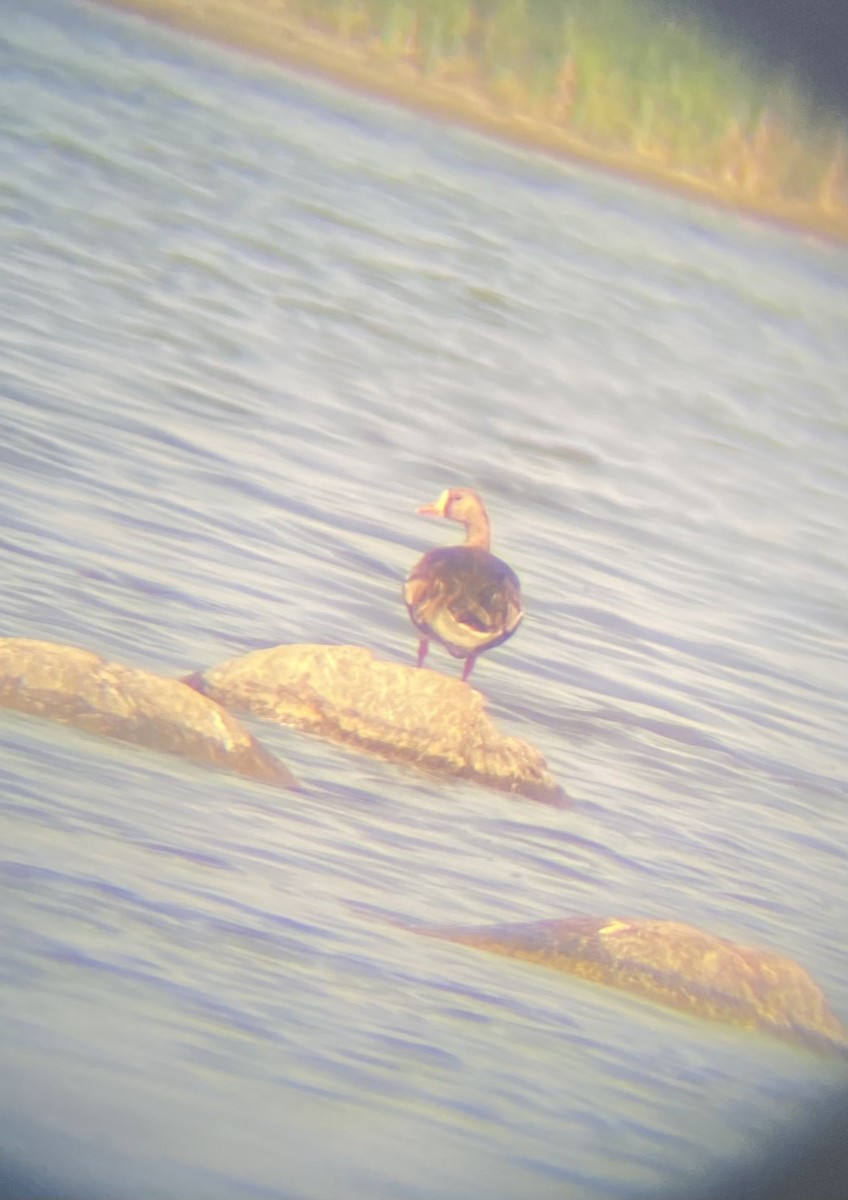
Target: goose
462 596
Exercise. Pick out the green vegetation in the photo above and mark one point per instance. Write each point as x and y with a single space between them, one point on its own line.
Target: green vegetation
632 77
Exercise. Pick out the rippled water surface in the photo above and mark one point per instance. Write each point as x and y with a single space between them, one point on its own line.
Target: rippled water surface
248 322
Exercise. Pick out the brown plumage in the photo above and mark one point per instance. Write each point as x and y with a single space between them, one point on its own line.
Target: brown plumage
463 596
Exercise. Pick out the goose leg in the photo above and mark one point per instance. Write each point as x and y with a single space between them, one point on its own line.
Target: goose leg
423 647
469 666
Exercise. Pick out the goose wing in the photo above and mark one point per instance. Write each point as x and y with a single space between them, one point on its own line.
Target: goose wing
464 596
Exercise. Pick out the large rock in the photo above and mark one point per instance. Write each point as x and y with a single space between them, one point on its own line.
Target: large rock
81 689
392 711
676 965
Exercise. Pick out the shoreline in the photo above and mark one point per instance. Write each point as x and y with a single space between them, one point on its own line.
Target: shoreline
262 27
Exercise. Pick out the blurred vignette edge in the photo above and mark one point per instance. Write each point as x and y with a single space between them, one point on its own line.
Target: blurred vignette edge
808 1161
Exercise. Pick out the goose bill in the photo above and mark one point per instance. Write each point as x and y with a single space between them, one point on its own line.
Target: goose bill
437 508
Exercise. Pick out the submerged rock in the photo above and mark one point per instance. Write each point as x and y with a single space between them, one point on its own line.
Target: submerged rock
393 711
677 965
79 688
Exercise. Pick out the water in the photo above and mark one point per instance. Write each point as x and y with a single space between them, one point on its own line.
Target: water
248 323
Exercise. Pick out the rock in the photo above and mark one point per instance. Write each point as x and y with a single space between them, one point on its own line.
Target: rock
677 965
79 688
386 709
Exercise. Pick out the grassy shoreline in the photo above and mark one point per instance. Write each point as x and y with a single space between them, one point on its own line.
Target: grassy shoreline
270 29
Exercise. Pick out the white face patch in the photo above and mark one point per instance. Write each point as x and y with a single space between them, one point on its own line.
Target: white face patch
442 502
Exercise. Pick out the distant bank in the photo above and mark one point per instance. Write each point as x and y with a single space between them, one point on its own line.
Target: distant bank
348 52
